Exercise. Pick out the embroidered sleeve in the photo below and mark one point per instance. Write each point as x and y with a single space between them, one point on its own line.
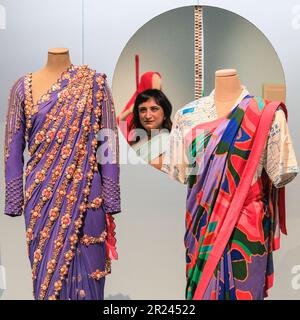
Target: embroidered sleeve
13 153
109 151
175 162
280 160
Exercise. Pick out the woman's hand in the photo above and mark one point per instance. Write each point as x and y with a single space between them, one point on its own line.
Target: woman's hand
123 116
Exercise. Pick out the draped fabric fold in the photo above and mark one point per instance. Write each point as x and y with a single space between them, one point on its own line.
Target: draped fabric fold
67 194
231 224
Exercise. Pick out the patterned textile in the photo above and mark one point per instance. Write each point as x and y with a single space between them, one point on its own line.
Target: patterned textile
68 196
278 150
233 216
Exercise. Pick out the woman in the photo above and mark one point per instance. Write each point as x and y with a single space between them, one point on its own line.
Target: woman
149 80
150 126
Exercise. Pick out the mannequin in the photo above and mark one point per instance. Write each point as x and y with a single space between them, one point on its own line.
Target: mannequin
68 205
58 61
227 89
221 147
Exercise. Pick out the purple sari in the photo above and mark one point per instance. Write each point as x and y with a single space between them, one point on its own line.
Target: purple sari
69 198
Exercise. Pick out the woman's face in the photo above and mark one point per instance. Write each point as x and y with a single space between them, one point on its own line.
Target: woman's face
151 115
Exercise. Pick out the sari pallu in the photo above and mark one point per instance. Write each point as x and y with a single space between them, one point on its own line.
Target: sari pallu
232 222
69 198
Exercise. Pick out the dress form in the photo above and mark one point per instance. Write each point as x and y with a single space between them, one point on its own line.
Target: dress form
58 61
227 90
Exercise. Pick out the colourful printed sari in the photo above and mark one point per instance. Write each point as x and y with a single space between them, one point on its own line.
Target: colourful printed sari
69 198
232 221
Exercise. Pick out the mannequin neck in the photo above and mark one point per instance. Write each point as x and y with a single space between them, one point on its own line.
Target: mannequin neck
58 60
227 88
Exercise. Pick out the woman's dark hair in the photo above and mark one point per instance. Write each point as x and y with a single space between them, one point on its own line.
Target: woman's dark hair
161 99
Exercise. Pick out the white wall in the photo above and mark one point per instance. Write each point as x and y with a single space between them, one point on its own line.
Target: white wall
231 41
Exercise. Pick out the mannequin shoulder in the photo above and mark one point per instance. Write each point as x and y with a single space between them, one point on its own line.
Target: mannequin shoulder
18 86
19 81
193 106
101 79
193 112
